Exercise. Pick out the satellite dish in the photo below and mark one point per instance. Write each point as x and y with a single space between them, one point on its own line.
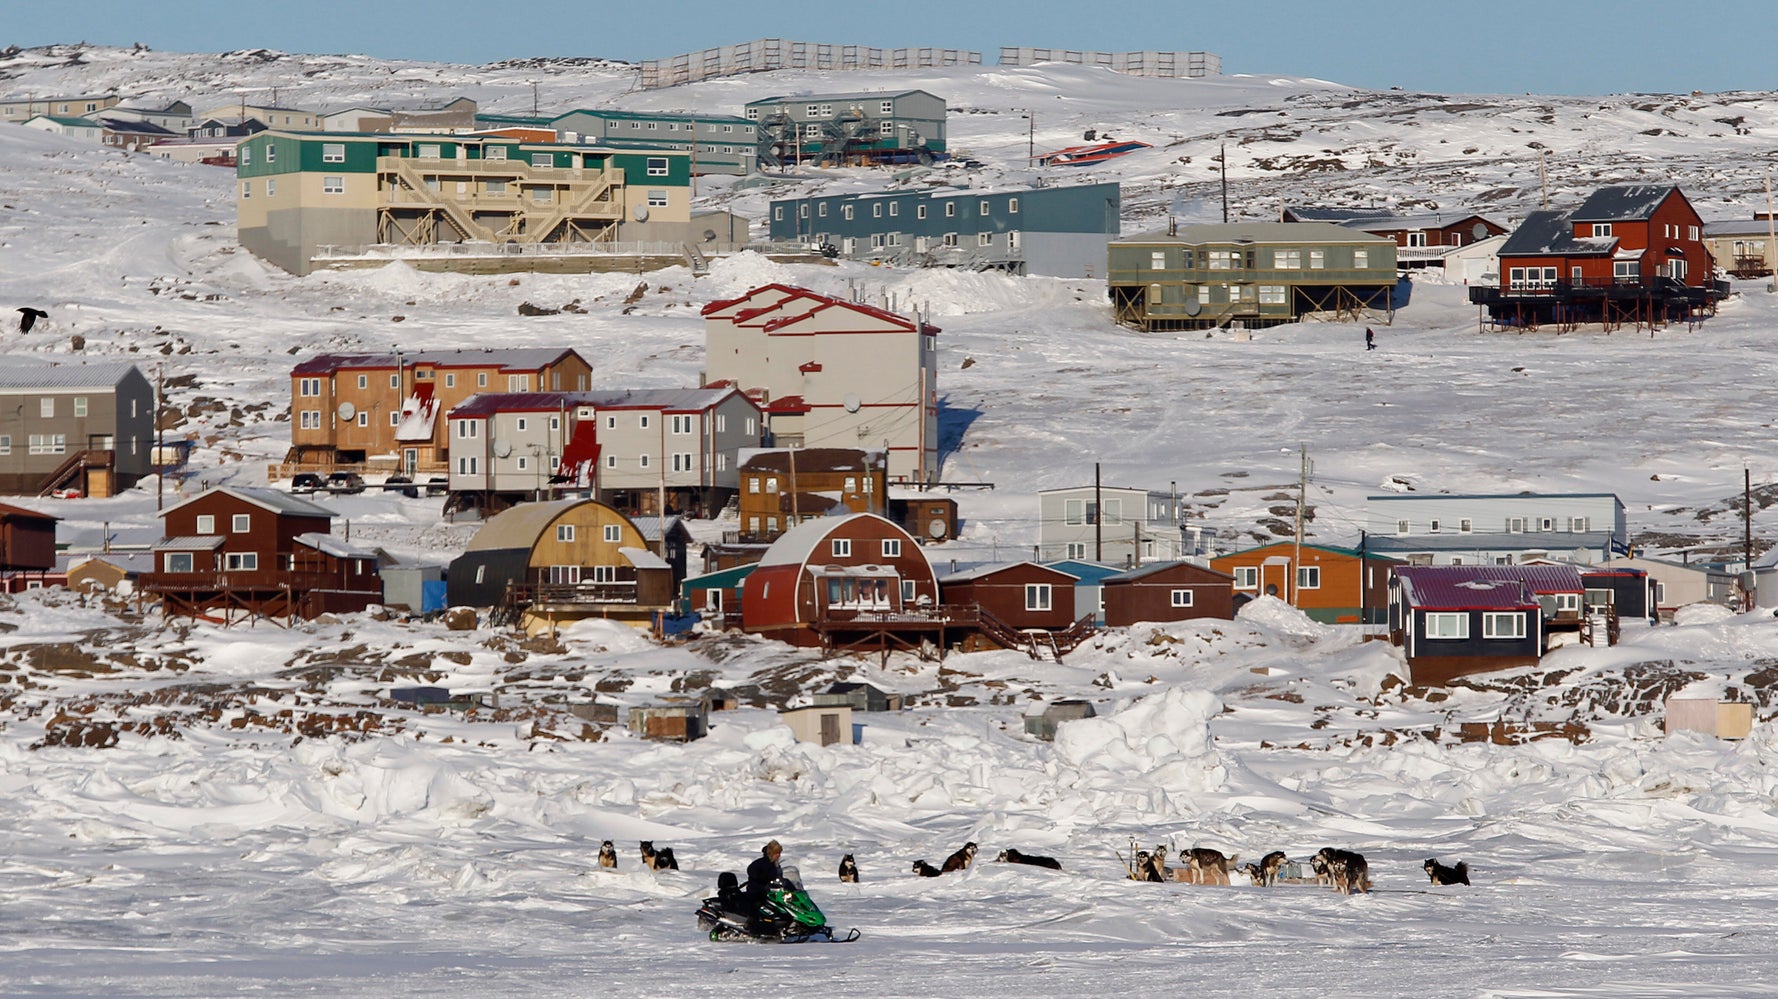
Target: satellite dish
1480 231
709 235
851 402
502 447
347 411
641 213
937 528
1192 307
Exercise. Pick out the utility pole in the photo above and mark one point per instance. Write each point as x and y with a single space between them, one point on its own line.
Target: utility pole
661 500
1223 157
1747 529
1098 519
1543 176
1302 499
1031 139
160 442
1771 254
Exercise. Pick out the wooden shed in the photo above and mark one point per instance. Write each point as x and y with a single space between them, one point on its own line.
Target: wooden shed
671 722
1168 591
27 540
864 696
1710 716
822 724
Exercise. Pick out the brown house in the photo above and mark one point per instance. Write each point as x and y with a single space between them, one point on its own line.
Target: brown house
927 516
1020 594
27 540
1167 591
783 487
238 552
346 408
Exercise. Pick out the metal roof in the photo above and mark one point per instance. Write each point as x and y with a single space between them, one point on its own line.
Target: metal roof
715 119
1493 496
327 544
1309 213
1738 227
530 358
20 373
274 500
809 459
1089 572
866 95
1461 587
991 568
1143 572
795 546
1425 220
1550 233
1330 549
519 526
1253 232
1626 203
191 543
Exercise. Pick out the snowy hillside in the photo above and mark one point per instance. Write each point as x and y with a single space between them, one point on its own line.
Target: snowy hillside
197 811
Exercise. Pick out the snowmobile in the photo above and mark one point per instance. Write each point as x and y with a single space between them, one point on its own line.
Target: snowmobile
788 914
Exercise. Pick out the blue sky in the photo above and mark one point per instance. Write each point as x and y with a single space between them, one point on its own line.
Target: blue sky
1508 46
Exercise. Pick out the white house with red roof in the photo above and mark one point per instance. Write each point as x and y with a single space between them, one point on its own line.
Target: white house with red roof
831 373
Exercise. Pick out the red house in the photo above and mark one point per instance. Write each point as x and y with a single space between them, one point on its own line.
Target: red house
1630 253
1020 594
27 540
1167 591
839 580
238 552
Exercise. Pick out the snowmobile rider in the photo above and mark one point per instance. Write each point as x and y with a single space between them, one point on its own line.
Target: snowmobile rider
762 873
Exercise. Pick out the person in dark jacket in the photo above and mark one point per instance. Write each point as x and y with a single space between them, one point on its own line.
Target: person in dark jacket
762 872
1370 339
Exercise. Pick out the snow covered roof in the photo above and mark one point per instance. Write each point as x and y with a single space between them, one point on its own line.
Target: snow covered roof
809 459
795 546
21 373
191 543
1425 220
7 510
1253 232
1309 213
1626 203
327 544
1738 227
274 500
863 95
1143 572
642 558
991 568
690 400
651 528
1461 587
521 358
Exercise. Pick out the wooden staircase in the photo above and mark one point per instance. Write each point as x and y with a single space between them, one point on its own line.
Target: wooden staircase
72 473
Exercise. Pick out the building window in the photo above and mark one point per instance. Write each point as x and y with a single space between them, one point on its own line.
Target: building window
1157 260
1317 260
1580 525
888 107
243 561
80 405
642 420
919 211
1308 577
1447 626
950 209
1503 625
613 533
657 198
1181 598
46 407
451 382
1246 577
894 209
1222 260
984 239
1361 259
333 152
271 152
1433 526
1465 526
1273 294
310 419
364 381
364 419
682 423
565 532
611 461
241 523
1287 260
891 547
1076 549
5 443
333 185
1546 523
177 562
842 548
481 379
467 466
1037 596
48 443
1403 527
246 152
1601 229
206 524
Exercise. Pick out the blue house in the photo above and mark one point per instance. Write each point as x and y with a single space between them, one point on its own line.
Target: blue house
1088 597
1053 231
1454 620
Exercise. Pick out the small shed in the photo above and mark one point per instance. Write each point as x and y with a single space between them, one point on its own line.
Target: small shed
865 696
927 516
404 585
1043 723
822 724
671 722
594 711
717 595
1709 715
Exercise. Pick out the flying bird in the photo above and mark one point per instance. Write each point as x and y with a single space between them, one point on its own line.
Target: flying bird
28 317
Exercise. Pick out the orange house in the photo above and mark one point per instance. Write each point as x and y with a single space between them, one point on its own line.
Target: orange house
1330 584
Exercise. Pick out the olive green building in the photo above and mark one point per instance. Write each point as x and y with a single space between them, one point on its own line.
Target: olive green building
1256 274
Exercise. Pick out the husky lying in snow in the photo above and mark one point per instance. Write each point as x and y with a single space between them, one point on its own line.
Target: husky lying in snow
1442 875
1011 856
926 870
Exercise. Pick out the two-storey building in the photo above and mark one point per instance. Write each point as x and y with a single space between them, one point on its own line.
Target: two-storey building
1631 253
88 427
346 409
1501 529
1054 231
782 487
299 192
831 373
1189 277
631 449
874 127
714 143
1115 525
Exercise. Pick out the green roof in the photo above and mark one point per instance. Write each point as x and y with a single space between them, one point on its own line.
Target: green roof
717 119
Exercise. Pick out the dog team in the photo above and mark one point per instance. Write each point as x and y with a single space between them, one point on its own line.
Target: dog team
1342 870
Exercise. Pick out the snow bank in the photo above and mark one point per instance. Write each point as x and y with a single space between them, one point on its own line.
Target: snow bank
1163 739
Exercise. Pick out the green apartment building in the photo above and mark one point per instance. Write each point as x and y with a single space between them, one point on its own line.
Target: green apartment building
723 144
1192 277
298 192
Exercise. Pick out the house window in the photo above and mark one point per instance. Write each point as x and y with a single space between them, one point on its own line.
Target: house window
1580 525
1157 260
271 152
1012 206
395 418
1625 271
950 209
1465 525
1246 577
657 198
907 591
467 429
891 547
518 383
642 461
481 379
1403 527
333 152
1447 625
1308 577
565 532
611 461
876 211
984 239
364 419
1601 229
821 210
246 151
1546 523
1272 294
80 405
206 524
919 211
1222 260
888 107
241 523
772 484
5 443
1433 527
177 562
1287 260
983 208
778 213
1037 596
46 407
243 561
1076 549
842 548
613 533
48 443
1417 238
1361 259
682 424
1515 525
468 465
494 153
894 209
1181 598
333 185
308 386
364 381
1503 625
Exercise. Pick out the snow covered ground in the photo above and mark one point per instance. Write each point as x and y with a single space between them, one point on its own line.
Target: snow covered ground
268 822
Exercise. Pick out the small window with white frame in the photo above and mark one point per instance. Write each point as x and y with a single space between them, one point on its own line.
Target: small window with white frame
891 547
565 532
1506 625
1181 598
1308 577
1465 526
241 523
1403 527
842 547
1037 596
1447 625
1246 577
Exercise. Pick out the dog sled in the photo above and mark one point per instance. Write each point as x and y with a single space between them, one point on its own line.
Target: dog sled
787 915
